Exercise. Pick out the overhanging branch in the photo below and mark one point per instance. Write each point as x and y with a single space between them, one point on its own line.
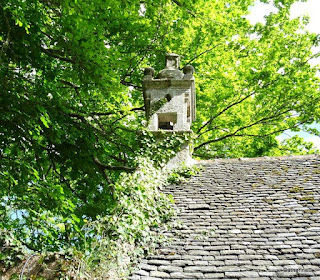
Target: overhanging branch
261 121
53 54
103 166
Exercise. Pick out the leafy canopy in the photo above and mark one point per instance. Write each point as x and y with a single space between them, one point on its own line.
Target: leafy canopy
71 101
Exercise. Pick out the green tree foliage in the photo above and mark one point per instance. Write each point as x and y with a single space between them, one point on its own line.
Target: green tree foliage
71 101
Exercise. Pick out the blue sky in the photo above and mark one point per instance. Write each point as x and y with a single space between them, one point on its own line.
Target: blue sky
305 135
312 9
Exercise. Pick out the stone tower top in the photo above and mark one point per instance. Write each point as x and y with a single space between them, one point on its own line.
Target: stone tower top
170 96
171 70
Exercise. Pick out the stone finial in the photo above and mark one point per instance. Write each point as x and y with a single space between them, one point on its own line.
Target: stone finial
188 70
172 61
171 71
148 73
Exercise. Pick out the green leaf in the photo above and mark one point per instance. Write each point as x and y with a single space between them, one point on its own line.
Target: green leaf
44 121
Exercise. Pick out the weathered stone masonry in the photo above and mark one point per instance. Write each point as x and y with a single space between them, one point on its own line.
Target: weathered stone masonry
170 103
244 219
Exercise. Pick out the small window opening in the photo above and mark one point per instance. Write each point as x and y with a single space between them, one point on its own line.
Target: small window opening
166 121
166 125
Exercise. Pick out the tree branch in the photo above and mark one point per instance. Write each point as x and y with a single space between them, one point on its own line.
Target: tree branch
92 114
128 84
51 53
144 52
100 130
263 120
206 51
181 6
69 84
110 167
224 110
267 134
232 105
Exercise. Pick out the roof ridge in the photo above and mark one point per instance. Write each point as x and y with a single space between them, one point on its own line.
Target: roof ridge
264 158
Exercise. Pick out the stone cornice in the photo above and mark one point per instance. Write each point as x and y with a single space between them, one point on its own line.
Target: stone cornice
166 83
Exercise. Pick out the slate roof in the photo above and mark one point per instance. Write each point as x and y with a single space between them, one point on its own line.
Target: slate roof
244 219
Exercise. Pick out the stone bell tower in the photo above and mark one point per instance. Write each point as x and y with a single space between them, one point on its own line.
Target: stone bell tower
170 102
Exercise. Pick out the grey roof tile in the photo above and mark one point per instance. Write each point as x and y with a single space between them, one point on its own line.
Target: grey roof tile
244 219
